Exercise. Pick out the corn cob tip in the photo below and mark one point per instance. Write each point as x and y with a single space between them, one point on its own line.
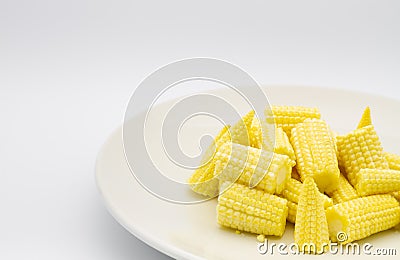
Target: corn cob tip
240 132
311 230
365 119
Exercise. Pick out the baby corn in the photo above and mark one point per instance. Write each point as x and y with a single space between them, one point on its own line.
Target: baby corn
282 144
241 130
376 181
359 218
393 160
251 210
344 191
203 180
288 116
311 229
316 154
292 193
253 167
360 149
365 119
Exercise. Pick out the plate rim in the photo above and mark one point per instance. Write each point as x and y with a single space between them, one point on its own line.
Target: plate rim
152 240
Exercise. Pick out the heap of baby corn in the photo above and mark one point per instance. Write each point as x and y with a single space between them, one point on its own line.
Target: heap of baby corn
291 167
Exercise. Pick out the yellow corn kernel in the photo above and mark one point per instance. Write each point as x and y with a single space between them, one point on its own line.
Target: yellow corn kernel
268 135
376 181
292 193
311 229
222 137
359 218
240 132
261 238
316 154
253 167
344 191
365 119
282 144
393 160
202 180
334 136
360 149
292 211
256 133
288 116
251 210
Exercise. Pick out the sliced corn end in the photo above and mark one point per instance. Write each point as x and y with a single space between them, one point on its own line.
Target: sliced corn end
316 154
282 144
376 181
287 117
344 191
240 132
311 229
253 167
292 211
365 119
203 179
251 210
393 160
292 190
360 149
359 218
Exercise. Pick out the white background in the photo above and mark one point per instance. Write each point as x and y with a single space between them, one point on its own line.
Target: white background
68 68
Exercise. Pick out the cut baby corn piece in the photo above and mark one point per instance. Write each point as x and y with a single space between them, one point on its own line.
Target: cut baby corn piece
360 149
359 218
344 191
376 181
241 130
288 116
311 229
292 193
282 144
222 137
316 154
365 119
251 210
393 160
256 136
292 211
253 167
202 180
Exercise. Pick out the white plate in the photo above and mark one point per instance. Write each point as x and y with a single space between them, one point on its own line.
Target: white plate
191 231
